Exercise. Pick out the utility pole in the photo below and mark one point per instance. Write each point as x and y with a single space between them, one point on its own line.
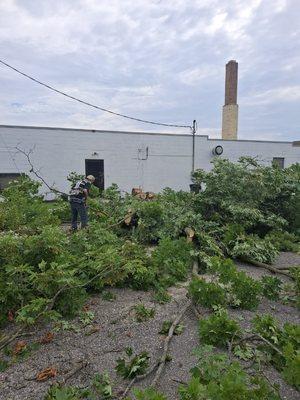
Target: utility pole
194 128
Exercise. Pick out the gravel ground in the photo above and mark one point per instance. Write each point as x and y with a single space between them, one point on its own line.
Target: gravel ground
115 329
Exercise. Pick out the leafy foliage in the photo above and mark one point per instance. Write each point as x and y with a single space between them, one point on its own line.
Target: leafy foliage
172 260
167 325
218 329
271 286
251 247
287 340
136 366
99 389
242 208
231 287
148 394
207 294
217 378
143 313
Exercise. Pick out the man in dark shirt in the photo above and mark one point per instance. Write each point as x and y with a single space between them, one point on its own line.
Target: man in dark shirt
78 197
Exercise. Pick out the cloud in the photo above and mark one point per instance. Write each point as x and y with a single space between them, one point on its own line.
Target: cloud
157 60
276 95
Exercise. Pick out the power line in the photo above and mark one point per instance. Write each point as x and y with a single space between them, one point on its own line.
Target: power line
90 104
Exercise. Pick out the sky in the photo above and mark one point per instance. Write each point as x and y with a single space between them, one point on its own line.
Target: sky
162 60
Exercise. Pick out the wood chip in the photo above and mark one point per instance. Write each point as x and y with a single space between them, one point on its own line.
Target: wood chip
19 346
47 338
47 373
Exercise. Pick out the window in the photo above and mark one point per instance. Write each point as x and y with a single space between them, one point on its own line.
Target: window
278 161
5 178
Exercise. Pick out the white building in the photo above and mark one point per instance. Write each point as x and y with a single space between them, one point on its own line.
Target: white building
151 161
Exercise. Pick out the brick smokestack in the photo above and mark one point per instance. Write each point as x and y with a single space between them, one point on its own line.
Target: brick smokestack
230 109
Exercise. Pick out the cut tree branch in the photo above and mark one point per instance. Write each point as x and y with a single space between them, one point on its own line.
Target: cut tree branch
36 173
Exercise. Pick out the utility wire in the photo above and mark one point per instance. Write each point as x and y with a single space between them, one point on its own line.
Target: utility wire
90 104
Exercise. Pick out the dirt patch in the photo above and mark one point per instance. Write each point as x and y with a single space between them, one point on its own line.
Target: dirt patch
114 328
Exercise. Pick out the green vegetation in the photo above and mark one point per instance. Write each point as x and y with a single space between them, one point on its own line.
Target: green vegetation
218 329
245 211
284 346
217 378
143 313
137 365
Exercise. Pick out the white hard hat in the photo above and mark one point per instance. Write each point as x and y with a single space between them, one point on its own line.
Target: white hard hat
91 178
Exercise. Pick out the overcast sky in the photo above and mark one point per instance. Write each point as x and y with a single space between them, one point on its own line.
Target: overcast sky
160 60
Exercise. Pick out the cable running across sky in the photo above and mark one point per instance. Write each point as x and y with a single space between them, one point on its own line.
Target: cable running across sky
90 104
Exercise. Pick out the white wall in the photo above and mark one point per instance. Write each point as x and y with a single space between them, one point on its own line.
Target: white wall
60 151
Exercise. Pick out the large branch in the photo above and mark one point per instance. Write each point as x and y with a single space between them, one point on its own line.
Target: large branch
36 173
268 267
163 358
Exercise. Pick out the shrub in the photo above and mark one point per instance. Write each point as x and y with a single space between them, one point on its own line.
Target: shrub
287 340
271 287
242 290
22 209
253 248
245 291
218 329
150 220
284 241
172 260
215 377
208 294
148 394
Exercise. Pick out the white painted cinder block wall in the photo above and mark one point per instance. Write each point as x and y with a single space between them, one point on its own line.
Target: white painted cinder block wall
60 151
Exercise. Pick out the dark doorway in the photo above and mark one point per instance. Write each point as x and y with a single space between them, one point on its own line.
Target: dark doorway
96 168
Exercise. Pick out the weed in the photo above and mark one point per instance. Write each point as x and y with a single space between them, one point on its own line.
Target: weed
143 313
167 325
136 366
108 296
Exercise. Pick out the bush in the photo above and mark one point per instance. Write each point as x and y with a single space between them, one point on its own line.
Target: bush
148 394
218 329
245 291
215 377
150 220
23 210
287 340
253 248
271 287
242 290
207 294
172 260
284 241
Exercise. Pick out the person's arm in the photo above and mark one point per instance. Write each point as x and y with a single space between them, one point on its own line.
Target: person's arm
86 194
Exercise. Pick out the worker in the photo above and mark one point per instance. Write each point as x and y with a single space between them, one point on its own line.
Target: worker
78 201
